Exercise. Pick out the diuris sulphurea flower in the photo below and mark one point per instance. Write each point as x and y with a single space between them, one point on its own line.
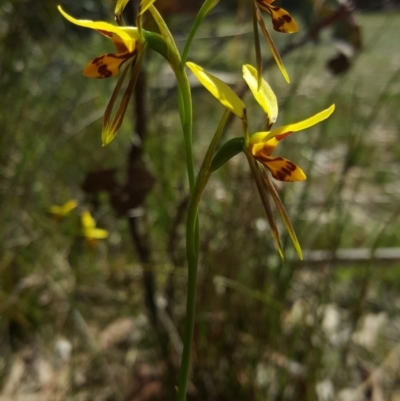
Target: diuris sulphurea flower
125 39
130 45
282 22
258 147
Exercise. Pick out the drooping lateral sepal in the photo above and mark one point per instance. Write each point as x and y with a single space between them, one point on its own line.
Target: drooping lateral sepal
262 191
112 118
282 210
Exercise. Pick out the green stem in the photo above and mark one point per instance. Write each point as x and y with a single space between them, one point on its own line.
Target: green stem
192 257
185 97
207 6
196 190
186 113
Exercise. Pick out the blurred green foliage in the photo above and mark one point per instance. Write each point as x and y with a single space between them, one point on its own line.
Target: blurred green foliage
256 318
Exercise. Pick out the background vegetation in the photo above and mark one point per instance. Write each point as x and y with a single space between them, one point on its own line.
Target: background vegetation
74 323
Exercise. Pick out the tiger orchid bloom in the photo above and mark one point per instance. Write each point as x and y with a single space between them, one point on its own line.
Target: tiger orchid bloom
262 144
282 22
130 45
125 39
258 147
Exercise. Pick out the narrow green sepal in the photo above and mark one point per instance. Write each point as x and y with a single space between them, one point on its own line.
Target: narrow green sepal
226 152
156 42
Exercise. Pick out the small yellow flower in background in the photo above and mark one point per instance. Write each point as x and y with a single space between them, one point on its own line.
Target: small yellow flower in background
59 212
282 22
259 146
89 229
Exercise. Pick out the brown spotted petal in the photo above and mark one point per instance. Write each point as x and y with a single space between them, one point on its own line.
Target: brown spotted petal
282 169
107 65
282 21
119 43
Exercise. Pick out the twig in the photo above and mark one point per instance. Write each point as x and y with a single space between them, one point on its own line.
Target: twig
361 255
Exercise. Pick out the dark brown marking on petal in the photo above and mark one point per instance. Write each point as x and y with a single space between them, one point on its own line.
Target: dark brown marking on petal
278 175
280 22
102 68
284 172
105 33
97 60
281 136
104 71
291 166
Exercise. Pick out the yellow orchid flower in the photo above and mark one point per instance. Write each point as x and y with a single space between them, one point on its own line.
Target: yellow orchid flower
59 212
130 45
282 21
125 39
259 146
89 229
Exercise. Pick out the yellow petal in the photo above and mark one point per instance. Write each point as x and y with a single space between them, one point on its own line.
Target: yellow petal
129 35
264 95
282 169
119 7
302 125
282 21
95 233
64 209
144 5
106 66
69 206
219 90
272 47
87 220
56 210
264 148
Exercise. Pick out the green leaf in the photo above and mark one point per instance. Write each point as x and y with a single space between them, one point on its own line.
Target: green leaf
226 152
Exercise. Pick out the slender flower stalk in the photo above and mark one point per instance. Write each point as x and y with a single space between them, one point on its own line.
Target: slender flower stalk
192 254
